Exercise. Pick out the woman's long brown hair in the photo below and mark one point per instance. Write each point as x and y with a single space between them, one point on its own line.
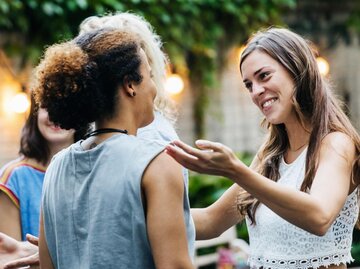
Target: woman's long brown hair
314 103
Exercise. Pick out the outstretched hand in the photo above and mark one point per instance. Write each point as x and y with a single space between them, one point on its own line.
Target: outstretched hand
9 247
15 254
209 158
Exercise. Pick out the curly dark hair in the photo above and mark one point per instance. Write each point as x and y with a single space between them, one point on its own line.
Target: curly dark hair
78 81
32 143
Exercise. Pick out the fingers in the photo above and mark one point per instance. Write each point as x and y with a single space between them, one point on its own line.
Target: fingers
209 145
178 154
208 159
188 149
32 239
187 156
27 261
202 145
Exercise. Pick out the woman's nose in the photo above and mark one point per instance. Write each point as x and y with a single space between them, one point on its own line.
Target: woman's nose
257 89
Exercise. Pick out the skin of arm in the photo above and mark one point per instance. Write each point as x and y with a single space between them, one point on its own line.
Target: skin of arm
9 217
213 220
45 259
163 188
312 211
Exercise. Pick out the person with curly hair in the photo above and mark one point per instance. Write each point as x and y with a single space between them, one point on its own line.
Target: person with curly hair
300 194
161 128
124 195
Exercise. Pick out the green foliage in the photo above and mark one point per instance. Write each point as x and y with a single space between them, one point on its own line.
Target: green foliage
189 25
205 189
196 33
353 22
355 250
337 21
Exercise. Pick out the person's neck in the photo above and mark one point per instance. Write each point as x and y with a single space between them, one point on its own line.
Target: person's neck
55 148
36 163
124 123
298 136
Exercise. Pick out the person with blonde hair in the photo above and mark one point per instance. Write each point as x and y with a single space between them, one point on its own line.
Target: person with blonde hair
152 46
161 128
300 194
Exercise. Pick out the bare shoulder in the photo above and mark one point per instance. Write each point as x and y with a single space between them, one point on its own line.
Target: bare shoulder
339 143
163 170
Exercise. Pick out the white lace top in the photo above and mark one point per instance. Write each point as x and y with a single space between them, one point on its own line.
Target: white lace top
276 243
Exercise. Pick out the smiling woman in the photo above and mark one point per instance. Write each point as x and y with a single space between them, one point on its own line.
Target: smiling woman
312 152
21 180
270 85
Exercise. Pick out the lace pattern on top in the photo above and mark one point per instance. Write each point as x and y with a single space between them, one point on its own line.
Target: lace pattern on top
276 243
326 261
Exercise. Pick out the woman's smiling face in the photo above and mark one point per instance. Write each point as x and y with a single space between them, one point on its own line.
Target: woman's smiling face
52 133
270 86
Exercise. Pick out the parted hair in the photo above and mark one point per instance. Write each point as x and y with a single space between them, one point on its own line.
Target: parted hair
78 81
314 103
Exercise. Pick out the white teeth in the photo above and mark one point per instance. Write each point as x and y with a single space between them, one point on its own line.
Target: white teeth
268 103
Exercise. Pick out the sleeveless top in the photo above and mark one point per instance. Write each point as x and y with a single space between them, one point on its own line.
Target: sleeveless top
276 243
22 182
92 205
162 130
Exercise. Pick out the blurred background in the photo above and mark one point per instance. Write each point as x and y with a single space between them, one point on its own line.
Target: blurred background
203 39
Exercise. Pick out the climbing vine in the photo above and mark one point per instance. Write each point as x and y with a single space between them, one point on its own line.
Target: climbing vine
196 33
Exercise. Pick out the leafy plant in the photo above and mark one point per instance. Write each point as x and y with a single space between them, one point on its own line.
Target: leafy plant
196 33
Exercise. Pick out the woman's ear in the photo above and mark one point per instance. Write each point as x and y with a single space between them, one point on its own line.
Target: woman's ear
129 87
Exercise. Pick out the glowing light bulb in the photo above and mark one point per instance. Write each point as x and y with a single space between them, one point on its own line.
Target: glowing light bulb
323 66
174 84
19 103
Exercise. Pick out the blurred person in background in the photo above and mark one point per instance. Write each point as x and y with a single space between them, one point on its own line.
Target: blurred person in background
21 180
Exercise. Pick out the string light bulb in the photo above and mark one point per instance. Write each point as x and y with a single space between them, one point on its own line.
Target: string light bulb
174 84
19 103
323 65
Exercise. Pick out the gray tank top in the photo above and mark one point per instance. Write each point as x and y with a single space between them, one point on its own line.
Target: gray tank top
92 205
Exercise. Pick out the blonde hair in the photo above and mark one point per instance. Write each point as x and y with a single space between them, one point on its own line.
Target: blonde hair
151 43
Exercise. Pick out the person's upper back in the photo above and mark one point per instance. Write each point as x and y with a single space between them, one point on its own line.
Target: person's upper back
92 204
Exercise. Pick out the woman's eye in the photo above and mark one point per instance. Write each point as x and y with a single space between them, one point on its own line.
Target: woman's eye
264 75
248 85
